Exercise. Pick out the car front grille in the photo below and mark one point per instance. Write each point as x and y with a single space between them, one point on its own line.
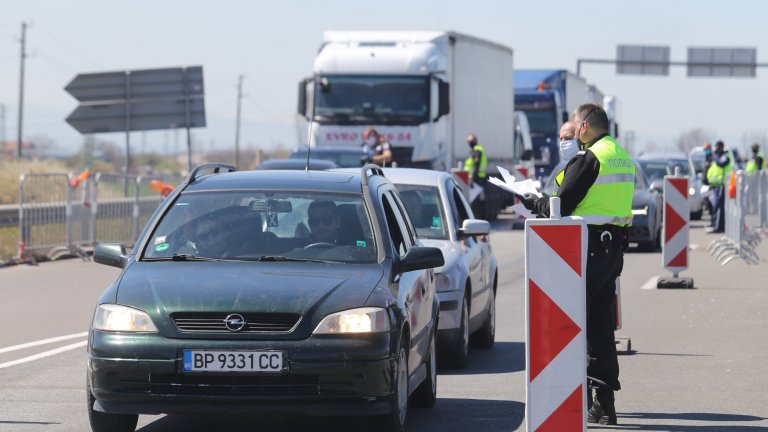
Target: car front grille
229 385
214 322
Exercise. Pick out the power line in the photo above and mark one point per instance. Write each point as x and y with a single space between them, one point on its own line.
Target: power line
68 46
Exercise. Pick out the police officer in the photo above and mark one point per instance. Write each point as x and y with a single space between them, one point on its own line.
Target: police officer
598 185
718 173
756 163
755 166
477 165
382 149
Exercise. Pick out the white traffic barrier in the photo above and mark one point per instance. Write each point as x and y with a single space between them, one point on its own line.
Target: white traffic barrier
555 309
675 231
738 242
762 200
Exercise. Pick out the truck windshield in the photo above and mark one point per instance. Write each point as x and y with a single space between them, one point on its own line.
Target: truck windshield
542 122
357 99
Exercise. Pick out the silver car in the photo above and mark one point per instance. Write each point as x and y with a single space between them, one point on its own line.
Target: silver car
466 284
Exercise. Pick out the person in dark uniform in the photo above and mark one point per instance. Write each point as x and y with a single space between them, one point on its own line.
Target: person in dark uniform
381 148
598 185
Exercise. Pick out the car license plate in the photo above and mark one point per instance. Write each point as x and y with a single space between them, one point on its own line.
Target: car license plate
233 361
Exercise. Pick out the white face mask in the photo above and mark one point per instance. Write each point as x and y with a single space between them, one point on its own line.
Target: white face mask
568 149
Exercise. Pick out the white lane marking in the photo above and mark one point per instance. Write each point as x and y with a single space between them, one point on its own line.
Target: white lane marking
651 284
44 354
42 342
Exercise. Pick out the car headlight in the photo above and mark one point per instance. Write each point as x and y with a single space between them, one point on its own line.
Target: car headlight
112 317
362 320
643 211
691 191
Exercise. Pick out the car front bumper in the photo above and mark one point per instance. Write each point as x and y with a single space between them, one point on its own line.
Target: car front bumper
640 230
143 374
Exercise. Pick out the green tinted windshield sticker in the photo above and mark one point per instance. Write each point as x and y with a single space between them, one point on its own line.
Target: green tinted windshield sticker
162 247
436 222
361 243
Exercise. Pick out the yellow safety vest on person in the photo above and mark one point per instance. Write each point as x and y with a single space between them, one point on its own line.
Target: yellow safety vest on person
752 168
558 181
469 163
717 175
609 199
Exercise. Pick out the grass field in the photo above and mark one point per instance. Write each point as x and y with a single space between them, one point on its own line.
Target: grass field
10 170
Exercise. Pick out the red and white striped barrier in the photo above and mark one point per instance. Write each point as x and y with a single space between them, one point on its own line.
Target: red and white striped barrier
555 304
675 232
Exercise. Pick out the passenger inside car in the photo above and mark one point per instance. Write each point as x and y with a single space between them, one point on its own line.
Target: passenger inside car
323 220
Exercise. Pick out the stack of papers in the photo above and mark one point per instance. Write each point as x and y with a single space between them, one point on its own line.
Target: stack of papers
516 187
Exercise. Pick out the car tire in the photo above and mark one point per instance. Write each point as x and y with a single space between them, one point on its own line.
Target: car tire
696 215
426 394
486 335
458 357
398 402
103 422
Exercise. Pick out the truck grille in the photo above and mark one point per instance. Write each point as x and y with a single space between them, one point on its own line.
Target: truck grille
213 322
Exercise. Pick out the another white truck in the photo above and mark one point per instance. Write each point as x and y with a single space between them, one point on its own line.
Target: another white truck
425 91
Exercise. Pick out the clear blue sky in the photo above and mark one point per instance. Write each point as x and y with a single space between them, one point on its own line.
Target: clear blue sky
273 43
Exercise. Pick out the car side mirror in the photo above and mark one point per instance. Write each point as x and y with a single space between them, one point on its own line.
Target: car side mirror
111 254
656 187
420 258
474 227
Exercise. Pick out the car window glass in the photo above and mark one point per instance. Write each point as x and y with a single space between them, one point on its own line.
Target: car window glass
462 211
405 218
467 209
425 209
247 225
395 231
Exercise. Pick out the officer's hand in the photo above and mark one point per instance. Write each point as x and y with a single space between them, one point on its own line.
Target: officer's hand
529 201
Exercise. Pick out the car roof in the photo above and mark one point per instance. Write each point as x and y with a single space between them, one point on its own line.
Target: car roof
330 149
296 164
662 156
324 181
415 176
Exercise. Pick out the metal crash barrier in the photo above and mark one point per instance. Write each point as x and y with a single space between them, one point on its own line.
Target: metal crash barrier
740 239
63 215
45 209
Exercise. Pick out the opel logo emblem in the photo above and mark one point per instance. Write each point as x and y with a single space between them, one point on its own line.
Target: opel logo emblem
234 322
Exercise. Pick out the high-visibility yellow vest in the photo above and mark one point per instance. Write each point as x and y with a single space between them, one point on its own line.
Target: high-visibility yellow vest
716 175
752 167
558 181
469 164
609 199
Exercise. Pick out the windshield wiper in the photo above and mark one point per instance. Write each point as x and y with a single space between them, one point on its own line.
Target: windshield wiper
279 258
182 257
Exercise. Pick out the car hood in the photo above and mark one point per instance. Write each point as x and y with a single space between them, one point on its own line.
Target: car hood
451 252
641 198
309 289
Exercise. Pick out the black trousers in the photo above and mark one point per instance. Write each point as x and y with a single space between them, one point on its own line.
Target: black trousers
604 264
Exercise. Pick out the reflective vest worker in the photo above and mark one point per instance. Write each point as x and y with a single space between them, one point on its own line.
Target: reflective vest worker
757 163
720 169
477 162
598 185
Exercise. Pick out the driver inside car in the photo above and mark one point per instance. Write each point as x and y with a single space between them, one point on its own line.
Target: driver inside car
323 220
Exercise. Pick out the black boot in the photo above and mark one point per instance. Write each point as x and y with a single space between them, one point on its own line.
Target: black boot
603 410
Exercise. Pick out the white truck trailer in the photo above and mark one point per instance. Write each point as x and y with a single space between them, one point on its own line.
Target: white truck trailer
424 90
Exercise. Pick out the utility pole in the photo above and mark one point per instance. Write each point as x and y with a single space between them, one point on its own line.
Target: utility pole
237 124
21 86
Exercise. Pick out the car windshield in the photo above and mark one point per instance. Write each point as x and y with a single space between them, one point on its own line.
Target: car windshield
266 226
342 159
425 208
656 170
359 99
